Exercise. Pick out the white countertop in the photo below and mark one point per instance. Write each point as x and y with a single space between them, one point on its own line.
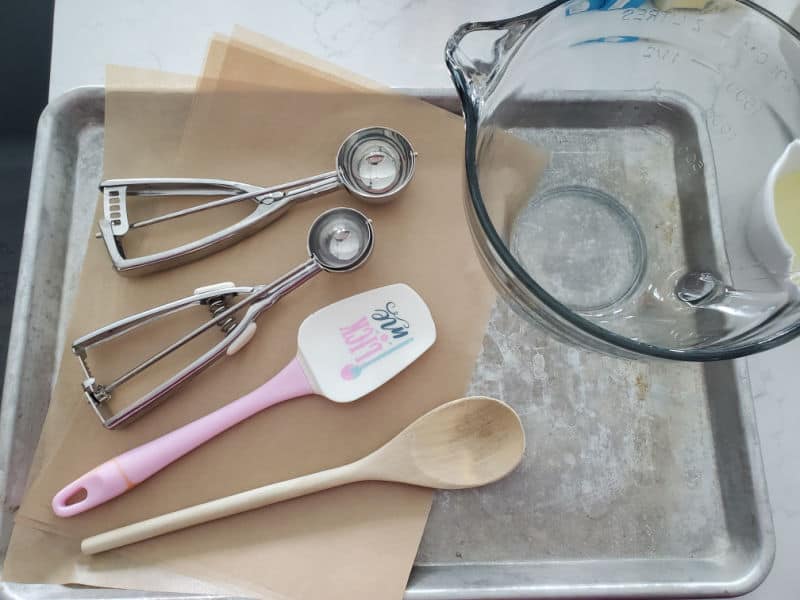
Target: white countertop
409 35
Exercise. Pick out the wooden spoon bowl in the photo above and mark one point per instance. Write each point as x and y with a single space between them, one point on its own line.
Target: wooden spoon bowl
465 443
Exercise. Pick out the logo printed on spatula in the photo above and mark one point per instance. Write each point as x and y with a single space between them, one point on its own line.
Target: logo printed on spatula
376 333
374 337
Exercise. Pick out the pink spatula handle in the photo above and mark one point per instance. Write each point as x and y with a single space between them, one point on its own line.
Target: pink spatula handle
118 475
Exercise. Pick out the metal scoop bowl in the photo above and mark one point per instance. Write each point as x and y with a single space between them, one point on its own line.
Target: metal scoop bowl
375 163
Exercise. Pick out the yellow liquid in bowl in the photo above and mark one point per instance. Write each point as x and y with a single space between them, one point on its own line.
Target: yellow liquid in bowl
787 212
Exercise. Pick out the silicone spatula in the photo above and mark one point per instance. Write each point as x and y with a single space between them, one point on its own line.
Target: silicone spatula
344 351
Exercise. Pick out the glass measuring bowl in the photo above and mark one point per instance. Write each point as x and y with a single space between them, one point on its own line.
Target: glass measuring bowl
613 159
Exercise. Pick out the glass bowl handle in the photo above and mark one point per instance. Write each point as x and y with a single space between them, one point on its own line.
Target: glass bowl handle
474 64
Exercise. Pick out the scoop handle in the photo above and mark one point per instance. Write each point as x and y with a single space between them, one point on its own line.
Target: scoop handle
221 507
117 475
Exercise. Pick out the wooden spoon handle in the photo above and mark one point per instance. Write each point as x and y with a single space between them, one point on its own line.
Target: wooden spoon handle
222 507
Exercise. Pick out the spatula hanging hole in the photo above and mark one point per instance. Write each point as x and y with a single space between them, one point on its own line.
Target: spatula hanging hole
78 495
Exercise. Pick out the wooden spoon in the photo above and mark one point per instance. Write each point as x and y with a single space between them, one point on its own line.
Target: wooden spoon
464 443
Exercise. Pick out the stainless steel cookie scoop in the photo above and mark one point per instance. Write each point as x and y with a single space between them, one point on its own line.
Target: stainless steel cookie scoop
339 240
372 164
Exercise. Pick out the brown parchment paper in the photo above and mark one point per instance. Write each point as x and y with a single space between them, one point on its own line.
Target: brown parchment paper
357 541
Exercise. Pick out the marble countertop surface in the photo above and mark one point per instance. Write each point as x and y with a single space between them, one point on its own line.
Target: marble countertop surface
368 37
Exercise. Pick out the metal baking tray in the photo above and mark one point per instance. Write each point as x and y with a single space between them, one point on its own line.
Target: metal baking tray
640 479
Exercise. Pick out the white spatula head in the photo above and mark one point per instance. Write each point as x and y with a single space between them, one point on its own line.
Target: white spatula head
354 346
